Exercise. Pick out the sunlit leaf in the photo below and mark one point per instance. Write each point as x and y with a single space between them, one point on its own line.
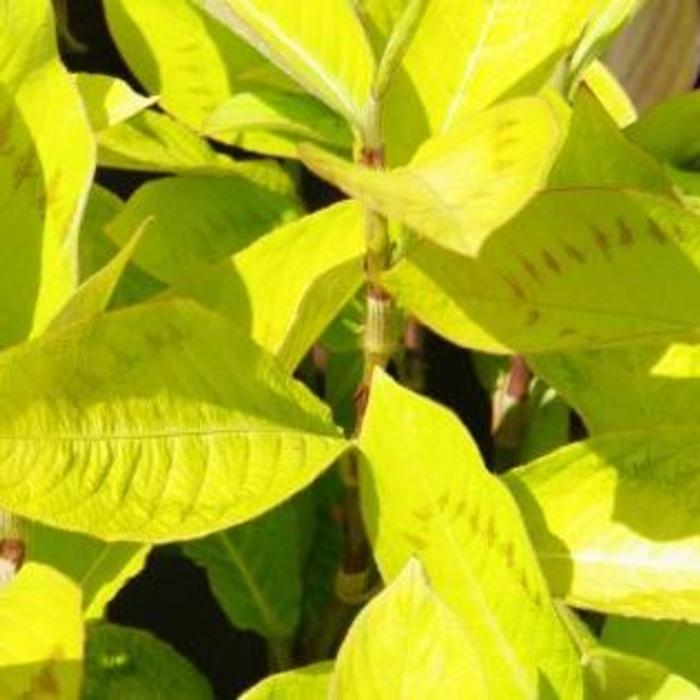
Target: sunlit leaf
610 93
44 178
614 521
42 636
319 43
462 185
443 506
408 640
307 683
160 422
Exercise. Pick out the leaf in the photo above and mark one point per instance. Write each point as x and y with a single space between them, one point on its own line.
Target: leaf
257 582
156 423
292 116
465 56
462 185
153 142
125 663
652 385
443 506
549 280
190 60
625 165
42 636
307 683
322 258
109 100
43 180
670 131
610 93
408 641
198 220
94 295
319 43
674 644
655 56
101 569
614 521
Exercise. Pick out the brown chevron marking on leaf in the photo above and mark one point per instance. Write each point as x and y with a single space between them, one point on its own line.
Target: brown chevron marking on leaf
626 233
25 170
460 507
564 332
551 262
574 253
490 531
424 514
514 287
418 543
533 316
656 232
529 267
442 501
509 553
5 129
601 240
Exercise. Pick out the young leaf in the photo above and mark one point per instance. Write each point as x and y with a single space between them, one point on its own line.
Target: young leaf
198 220
42 635
153 142
257 582
160 422
290 115
549 280
614 521
442 505
319 43
463 184
44 180
408 641
308 683
101 569
618 104
322 258
109 101
674 644
123 663
178 52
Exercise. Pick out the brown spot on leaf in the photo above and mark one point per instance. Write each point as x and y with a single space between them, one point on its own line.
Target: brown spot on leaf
515 287
26 169
601 240
626 233
564 332
529 267
532 317
656 232
418 543
574 253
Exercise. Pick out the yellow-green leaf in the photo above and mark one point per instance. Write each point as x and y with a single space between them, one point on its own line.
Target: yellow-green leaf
159 422
408 642
614 521
319 43
322 258
307 683
463 184
425 491
46 164
42 636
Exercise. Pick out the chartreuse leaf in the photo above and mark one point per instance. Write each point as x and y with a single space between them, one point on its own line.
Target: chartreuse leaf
190 60
95 294
674 644
614 521
463 184
549 280
618 104
109 100
101 569
379 18
322 259
198 220
319 43
463 524
308 683
159 422
466 56
123 663
42 636
43 179
655 56
612 675
645 386
625 164
154 142
257 582
407 640
295 117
